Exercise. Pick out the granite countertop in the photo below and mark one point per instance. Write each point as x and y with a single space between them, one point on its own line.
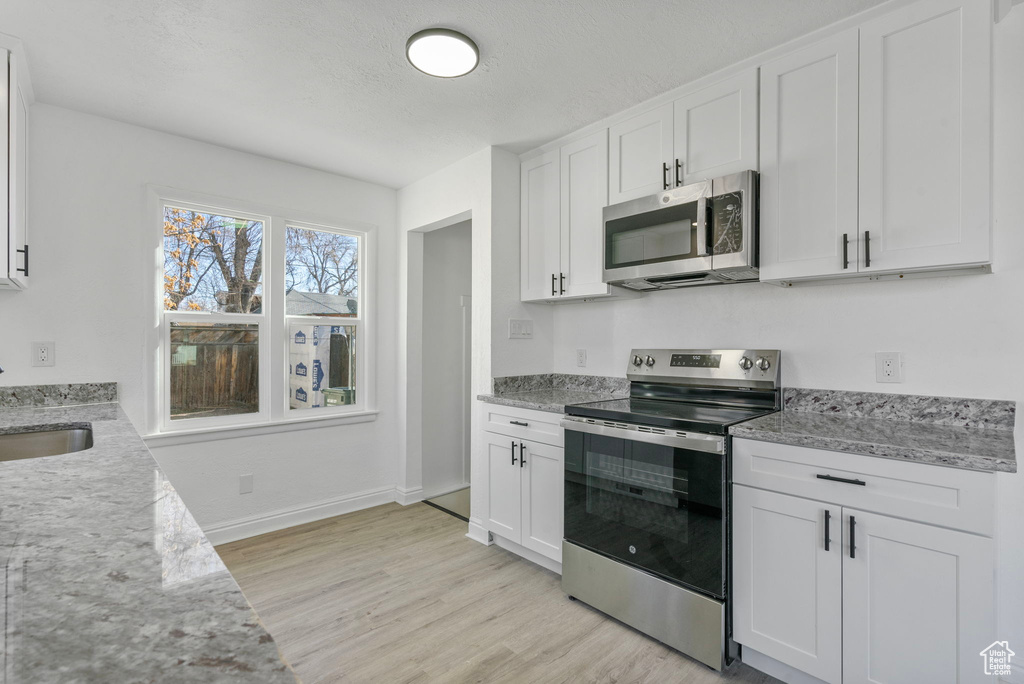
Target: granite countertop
552 391
551 400
961 433
108 576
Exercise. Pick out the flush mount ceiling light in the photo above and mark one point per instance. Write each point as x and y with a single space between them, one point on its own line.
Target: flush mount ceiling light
442 52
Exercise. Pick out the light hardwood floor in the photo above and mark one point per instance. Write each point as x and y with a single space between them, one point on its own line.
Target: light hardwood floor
399 594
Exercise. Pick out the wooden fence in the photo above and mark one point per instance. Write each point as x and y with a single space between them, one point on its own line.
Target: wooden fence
214 371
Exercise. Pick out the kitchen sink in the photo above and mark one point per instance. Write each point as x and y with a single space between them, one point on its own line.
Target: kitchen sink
18 445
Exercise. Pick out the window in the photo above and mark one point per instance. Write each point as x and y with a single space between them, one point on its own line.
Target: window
262 319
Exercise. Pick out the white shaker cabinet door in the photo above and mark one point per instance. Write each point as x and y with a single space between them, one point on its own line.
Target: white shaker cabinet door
539 236
640 155
809 161
715 129
584 177
918 602
925 136
787 588
543 486
504 491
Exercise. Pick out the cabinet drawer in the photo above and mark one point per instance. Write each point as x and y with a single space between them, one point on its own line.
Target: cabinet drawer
537 426
957 499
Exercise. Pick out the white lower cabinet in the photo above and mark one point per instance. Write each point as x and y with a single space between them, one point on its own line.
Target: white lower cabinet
787 589
852 596
525 484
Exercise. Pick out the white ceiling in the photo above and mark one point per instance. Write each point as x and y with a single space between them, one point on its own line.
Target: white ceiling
325 83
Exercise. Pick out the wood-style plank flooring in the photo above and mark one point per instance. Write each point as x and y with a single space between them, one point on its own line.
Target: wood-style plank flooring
399 594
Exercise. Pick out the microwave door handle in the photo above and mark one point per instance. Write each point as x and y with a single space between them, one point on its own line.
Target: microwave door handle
702 227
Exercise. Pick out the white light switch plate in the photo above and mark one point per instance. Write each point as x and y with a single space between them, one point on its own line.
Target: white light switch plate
888 367
245 484
520 329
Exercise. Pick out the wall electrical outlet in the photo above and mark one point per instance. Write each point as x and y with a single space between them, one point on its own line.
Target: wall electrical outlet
581 358
245 484
888 367
520 329
44 353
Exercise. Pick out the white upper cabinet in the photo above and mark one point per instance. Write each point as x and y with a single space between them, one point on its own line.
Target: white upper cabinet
640 152
708 133
809 161
539 230
563 194
14 250
715 130
925 136
876 147
584 171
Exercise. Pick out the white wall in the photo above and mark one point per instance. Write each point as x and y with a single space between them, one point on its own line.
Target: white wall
447 278
485 188
960 336
90 233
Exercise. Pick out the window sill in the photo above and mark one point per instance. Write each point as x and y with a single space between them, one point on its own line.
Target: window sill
211 434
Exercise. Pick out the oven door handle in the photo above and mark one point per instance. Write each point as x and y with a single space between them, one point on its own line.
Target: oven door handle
711 444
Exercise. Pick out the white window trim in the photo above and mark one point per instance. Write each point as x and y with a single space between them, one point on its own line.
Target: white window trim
275 414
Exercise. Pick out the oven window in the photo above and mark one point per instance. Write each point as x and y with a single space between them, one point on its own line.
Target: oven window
661 235
652 506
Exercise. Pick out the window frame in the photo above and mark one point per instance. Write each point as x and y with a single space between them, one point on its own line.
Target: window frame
274 324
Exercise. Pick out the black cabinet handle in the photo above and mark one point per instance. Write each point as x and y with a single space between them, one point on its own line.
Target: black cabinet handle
514 453
828 519
522 455
867 249
516 422
664 177
561 283
25 252
553 293
833 478
679 173
846 250
853 540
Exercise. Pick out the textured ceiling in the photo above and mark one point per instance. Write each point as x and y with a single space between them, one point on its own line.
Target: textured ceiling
324 83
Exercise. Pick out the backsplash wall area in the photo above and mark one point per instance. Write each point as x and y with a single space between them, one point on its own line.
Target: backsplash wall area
960 336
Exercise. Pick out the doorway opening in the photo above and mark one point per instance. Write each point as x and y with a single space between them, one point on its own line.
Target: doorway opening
447 347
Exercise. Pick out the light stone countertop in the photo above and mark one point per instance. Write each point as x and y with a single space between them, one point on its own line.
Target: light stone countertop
550 400
108 576
970 448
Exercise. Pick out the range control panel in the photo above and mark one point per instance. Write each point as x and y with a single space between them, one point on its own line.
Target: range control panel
755 368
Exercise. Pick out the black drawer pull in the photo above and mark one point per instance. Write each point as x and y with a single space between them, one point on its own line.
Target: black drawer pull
522 455
845 480
853 535
514 453
828 518
516 422
665 184
846 251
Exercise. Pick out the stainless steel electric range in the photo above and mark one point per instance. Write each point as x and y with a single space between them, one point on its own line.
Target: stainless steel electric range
647 493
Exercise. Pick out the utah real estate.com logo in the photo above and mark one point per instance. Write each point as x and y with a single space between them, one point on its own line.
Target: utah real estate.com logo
997 658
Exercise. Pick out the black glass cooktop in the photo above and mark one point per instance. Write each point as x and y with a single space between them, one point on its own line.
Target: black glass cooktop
676 415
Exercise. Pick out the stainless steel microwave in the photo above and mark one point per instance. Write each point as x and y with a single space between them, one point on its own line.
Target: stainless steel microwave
699 234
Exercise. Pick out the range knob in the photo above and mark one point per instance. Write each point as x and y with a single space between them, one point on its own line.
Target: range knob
649 361
763 363
746 363
637 361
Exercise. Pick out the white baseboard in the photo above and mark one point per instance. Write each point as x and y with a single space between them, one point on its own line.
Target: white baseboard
251 526
478 534
779 670
530 555
408 496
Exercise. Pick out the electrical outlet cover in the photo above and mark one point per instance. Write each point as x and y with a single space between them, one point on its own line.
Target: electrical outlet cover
888 367
43 353
581 358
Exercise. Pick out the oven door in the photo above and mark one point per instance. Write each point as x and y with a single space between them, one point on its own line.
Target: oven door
653 501
663 234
